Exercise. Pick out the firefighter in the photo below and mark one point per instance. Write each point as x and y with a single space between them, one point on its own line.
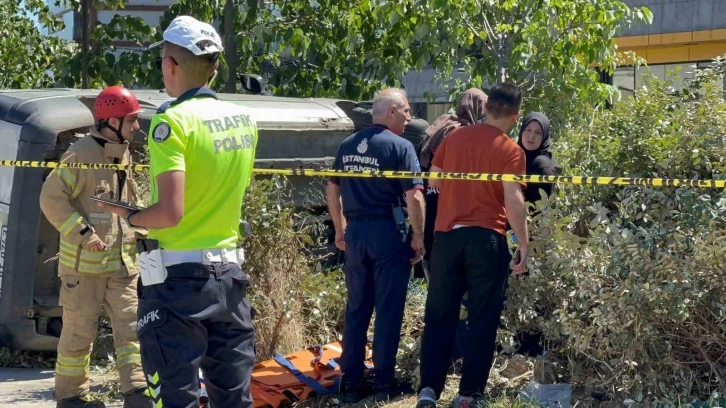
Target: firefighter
97 262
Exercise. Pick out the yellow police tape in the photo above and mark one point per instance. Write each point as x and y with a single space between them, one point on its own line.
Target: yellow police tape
580 180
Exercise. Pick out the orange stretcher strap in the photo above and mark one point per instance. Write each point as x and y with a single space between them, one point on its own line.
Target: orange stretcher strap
295 377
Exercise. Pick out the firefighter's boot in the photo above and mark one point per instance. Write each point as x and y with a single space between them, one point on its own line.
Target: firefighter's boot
138 398
80 402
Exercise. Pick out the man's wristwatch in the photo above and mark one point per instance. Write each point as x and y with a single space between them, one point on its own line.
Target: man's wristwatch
128 218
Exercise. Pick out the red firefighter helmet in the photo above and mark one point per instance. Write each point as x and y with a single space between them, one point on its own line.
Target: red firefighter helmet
115 102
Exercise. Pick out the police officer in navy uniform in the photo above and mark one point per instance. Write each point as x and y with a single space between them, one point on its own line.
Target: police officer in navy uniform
369 220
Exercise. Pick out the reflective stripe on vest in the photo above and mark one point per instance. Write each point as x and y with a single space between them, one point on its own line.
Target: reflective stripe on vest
101 262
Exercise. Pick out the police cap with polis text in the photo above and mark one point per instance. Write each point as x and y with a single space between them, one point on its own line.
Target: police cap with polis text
198 37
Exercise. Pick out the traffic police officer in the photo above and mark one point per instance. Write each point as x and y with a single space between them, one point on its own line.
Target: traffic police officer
193 305
371 229
97 253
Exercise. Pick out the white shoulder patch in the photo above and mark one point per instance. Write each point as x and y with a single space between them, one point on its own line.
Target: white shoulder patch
161 132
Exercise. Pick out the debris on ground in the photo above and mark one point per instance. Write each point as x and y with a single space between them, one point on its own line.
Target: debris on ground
515 367
26 359
548 395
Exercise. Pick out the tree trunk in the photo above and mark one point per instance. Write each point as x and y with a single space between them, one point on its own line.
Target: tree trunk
230 47
501 72
85 6
505 47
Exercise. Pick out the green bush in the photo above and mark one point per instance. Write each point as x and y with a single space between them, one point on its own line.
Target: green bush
626 283
279 266
324 296
629 281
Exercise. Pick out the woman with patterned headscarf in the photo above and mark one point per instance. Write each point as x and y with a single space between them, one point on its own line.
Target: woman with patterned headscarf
469 112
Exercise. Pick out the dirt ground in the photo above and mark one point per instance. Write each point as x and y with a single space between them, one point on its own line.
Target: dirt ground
32 388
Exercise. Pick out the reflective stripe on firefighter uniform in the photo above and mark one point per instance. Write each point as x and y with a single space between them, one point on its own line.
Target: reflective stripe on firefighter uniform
92 279
81 297
80 221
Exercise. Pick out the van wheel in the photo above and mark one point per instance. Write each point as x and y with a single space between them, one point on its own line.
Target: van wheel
414 132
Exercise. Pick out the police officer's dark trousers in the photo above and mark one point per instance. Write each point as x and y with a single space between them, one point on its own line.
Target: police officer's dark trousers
377 270
474 259
199 317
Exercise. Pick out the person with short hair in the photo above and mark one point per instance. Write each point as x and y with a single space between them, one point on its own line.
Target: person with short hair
369 219
193 306
470 250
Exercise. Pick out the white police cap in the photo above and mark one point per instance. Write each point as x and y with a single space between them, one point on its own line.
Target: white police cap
198 37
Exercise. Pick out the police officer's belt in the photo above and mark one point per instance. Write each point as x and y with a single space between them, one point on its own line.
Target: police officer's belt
203 256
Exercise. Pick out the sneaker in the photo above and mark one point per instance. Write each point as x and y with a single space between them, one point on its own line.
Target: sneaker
138 398
426 398
80 402
463 402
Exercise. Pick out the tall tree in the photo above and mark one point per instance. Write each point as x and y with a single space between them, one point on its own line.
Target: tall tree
230 45
303 48
85 21
106 63
550 48
27 57
350 50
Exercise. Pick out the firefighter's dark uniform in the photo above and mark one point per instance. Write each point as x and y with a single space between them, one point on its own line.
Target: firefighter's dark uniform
200 315
377 252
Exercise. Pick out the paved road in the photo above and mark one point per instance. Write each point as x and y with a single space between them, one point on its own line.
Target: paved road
21 388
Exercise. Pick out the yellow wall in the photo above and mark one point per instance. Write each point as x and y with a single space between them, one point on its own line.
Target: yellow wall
676 47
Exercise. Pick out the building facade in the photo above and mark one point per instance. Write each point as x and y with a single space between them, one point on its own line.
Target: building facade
149 10
684 33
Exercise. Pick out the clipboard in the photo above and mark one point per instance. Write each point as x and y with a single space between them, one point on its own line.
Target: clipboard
117 203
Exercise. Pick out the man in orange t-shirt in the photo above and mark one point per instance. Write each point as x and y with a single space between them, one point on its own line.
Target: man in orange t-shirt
470 251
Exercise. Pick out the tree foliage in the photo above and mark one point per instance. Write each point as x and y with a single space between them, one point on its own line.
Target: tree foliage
628 281
322 48
108 66
550 48
27 58
330 49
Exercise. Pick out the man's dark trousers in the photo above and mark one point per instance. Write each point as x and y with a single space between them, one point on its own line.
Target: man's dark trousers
377 270
199 317
467 258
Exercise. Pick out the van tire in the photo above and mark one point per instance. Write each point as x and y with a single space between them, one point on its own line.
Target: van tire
414 132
